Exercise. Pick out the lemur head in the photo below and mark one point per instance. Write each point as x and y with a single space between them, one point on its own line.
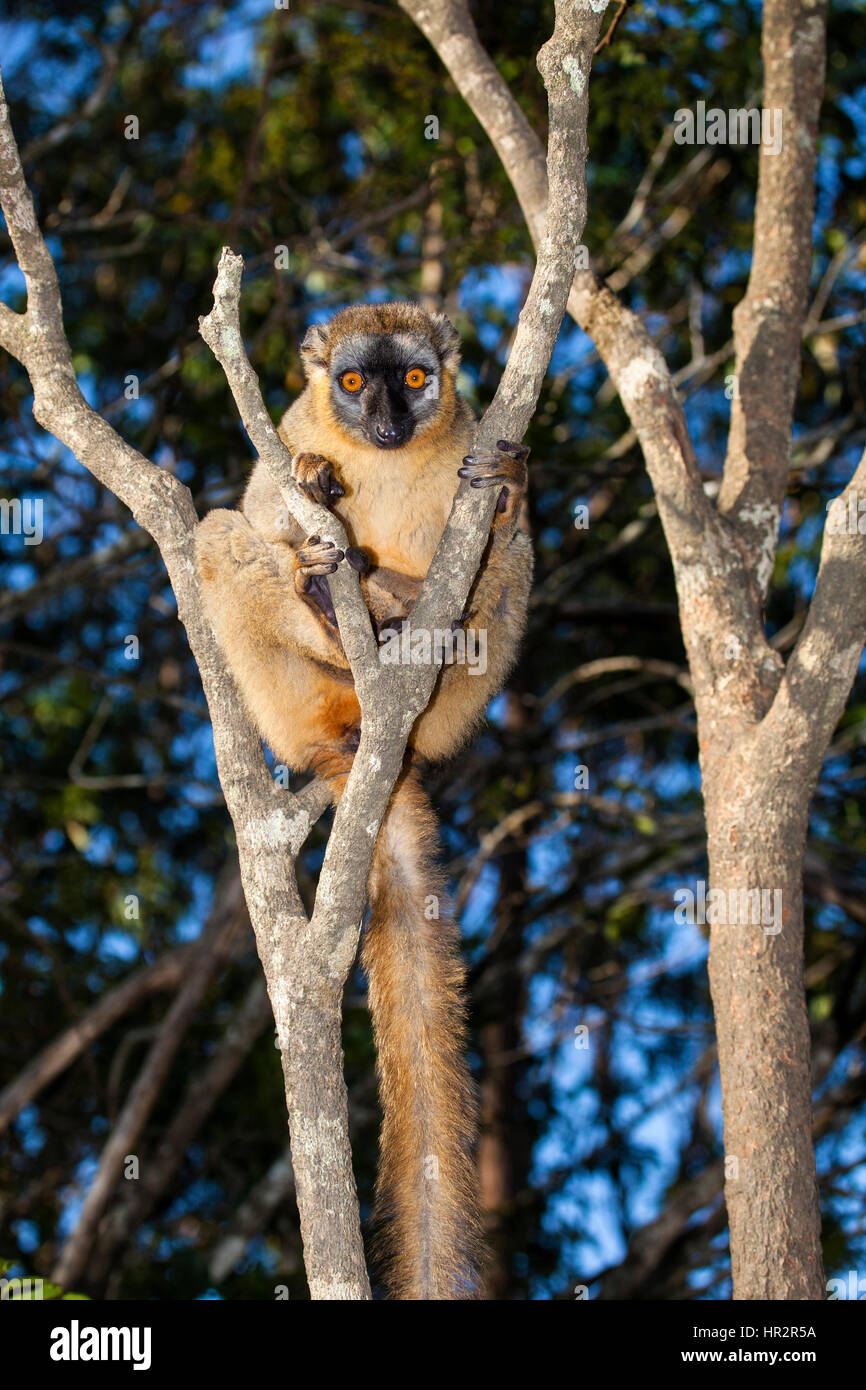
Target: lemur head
383 372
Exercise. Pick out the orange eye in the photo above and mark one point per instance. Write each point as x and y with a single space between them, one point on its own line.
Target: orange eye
351 381
415 378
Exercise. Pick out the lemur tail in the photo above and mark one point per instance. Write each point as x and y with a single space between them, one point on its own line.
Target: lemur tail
427 1214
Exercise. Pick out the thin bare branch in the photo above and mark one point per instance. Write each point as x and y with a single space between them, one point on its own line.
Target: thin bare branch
165 973
821 669
768 321
608 38
123 1140
202 1093
252 1216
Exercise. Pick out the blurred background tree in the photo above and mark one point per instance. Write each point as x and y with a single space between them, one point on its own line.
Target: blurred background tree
326 144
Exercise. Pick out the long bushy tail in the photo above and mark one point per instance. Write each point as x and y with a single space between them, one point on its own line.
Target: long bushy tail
427 1191
428 1228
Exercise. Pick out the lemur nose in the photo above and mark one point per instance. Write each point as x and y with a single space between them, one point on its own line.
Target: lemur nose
388 435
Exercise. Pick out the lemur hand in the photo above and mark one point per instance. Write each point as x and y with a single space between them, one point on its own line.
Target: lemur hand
508 466
317 478
315 559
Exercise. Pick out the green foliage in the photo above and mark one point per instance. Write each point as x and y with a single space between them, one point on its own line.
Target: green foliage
18 1287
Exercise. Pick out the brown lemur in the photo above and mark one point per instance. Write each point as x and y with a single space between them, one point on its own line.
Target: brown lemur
380 435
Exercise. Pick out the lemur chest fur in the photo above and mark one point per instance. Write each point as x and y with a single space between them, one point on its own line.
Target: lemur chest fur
397 502
397 526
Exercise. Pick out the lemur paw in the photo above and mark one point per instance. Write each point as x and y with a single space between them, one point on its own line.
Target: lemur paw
315 560
317 479
317 557
506 466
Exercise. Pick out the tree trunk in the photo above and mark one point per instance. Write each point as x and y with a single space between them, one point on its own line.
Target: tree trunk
319 1127
757 831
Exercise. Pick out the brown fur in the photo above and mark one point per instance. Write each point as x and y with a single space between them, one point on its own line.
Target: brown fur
290 666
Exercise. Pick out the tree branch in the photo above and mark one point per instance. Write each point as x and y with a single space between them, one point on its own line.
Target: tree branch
203 1091
820 670
637 368
165 973
608 38
124 1137
768 321
252 1216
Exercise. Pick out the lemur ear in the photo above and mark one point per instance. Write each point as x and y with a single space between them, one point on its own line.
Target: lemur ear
447 340
314 348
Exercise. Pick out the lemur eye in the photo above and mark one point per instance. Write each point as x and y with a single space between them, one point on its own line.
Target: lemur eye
415 377
351 381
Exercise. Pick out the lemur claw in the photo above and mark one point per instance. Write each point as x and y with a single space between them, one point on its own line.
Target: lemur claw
316 478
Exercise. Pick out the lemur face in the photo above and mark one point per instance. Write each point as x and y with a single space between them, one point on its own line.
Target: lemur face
384 387
385 365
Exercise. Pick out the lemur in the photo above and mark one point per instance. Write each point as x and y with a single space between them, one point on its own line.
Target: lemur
381 436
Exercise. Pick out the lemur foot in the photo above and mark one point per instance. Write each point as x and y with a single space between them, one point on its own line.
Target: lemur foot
508 466
247 548
317 479
315 559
